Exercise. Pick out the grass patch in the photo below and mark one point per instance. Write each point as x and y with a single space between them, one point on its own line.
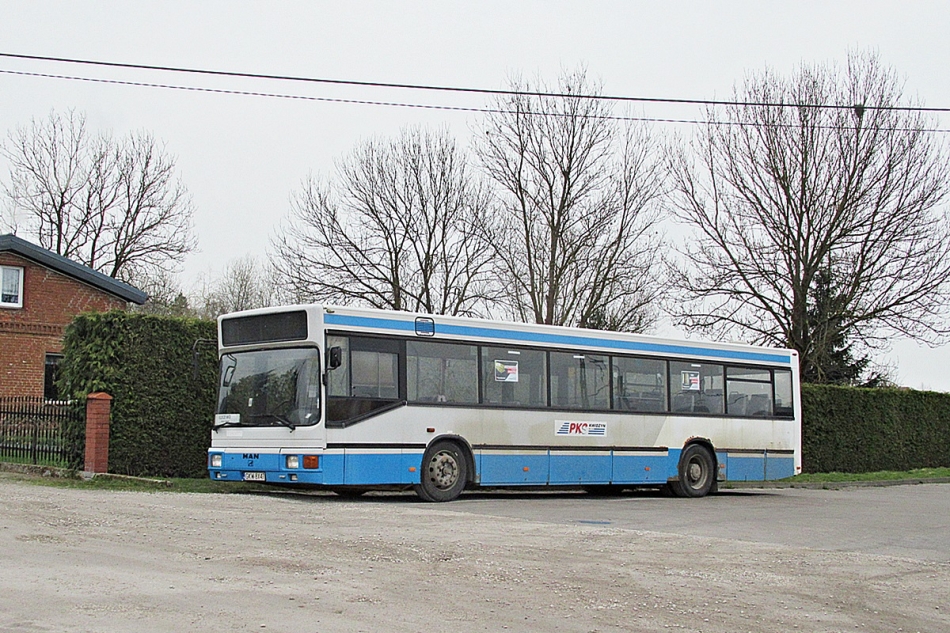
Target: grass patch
118 482
884 475
141 484
17 459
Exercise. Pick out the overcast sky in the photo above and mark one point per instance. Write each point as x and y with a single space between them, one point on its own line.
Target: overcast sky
242 156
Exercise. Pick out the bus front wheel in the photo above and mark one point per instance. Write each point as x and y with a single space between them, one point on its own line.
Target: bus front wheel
444 472
697 472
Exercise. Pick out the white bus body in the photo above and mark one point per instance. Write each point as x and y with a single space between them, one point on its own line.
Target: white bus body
447 403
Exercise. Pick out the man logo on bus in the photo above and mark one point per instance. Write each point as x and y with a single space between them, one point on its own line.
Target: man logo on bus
581 428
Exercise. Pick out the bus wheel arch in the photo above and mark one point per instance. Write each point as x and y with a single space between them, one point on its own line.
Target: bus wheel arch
447 469
697 470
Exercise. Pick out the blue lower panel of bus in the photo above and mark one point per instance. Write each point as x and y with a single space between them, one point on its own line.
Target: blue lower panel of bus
352 468
745 466
779 466
640 469
363 469
759 466
509 468
583 468
269 467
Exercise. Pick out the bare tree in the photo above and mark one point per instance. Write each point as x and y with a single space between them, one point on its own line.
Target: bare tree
165 296
575 239
841 186
401 228
243 285
115 206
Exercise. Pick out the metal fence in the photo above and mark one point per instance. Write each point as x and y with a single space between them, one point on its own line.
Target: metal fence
34 430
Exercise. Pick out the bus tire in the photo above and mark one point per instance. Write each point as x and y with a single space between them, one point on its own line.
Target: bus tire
444 472
697 472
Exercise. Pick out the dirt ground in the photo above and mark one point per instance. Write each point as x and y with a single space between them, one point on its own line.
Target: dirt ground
81 560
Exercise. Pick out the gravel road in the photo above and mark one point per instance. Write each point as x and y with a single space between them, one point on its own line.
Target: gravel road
84 560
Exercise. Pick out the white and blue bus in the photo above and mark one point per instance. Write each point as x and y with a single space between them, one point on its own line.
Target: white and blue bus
354 399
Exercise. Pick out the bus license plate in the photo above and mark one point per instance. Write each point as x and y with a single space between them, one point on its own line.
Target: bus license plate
254 477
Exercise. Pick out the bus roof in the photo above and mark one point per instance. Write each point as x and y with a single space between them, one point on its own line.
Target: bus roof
431 326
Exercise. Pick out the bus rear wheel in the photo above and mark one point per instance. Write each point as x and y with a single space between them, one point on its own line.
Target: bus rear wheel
697 472
444 472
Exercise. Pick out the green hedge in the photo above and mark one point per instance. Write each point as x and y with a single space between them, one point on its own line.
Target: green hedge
851 430
161 413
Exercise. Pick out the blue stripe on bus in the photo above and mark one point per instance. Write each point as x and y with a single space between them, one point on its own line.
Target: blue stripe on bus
470 331
363 469
508 468
745 466
779 466
759 466
527 469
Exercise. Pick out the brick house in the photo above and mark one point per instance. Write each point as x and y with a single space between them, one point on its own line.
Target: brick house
40 293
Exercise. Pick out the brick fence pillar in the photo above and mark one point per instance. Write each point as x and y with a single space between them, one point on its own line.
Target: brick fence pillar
98 406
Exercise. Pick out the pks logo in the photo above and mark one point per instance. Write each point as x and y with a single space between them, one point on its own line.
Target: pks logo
598 429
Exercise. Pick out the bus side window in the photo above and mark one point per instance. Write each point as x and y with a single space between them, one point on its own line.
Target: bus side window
639 384
338 380
374 374
580 381
441 372
750 392
514 377
697 387
783 394
363 372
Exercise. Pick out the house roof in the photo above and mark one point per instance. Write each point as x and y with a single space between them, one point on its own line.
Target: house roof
13 244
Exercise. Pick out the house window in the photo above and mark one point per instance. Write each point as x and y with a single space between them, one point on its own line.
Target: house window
50 392
11 287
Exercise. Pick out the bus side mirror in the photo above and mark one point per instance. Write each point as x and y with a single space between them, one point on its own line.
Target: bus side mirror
334 358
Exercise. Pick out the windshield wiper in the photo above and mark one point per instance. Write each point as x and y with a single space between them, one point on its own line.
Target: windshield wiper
224 424
282 420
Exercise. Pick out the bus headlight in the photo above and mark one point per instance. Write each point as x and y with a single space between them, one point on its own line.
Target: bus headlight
293 461
217 460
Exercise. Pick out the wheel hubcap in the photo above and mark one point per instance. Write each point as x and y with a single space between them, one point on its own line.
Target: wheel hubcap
443 470
695 474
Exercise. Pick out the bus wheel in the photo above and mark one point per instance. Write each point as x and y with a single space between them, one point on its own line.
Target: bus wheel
697 472
444 473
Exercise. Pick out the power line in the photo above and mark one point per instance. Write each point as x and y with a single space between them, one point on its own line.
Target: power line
421 106
252 93
458 89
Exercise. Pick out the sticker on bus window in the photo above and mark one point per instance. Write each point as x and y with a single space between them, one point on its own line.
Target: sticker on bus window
506 371
690 381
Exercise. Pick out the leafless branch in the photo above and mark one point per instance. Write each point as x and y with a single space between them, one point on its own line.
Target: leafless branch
115 206
786 194
402 227
576 239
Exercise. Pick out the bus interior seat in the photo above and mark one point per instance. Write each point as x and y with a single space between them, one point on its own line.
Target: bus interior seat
759 405
737 403
682 403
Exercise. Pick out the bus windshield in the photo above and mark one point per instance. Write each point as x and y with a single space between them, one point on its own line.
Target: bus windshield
278 387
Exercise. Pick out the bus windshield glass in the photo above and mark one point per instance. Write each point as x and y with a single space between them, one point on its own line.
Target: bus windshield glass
279 387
